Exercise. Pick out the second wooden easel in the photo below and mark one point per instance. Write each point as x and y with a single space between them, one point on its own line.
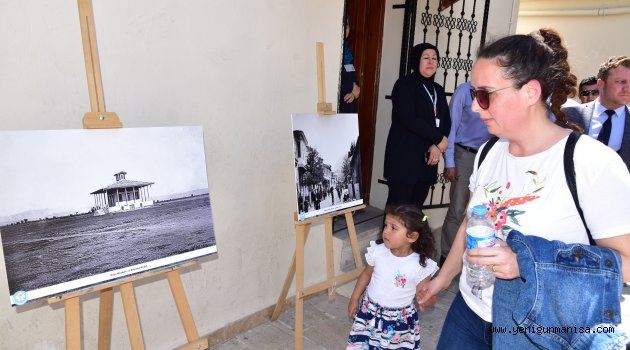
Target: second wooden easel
296 269
302 228
98 118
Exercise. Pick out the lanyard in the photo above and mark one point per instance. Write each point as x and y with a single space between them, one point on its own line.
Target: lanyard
433 100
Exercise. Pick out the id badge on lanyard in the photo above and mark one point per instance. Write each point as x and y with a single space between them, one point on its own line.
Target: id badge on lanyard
434 101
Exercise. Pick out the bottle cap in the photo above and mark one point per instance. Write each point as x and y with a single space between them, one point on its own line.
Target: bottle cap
479 210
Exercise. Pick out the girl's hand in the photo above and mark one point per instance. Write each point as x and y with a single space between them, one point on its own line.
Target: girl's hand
433 155
353 307
359 289
501 260
429 303
426 292
420 288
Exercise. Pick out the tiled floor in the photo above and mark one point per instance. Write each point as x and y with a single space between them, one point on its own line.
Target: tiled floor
326 325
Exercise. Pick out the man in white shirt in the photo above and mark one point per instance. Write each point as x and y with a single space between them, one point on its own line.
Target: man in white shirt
607 119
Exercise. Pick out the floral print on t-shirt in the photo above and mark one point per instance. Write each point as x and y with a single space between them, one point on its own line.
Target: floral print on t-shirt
502 200
400 280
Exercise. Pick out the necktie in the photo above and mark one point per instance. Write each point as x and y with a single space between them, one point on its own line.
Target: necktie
604 135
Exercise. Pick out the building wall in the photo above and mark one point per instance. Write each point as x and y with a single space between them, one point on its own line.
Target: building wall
502 18
239 69
590 39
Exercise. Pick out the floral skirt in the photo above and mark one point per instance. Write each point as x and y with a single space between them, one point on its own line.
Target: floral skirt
378 327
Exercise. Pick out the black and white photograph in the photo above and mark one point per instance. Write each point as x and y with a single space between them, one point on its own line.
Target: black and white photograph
81 207
327 163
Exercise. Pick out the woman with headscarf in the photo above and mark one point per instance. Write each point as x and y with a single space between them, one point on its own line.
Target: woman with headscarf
420 125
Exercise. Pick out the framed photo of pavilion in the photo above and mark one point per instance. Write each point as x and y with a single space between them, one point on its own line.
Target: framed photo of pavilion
122 195
327 163
82 207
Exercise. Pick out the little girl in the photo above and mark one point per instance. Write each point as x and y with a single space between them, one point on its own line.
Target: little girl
387 317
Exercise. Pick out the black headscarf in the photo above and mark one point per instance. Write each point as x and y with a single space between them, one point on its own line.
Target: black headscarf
416 52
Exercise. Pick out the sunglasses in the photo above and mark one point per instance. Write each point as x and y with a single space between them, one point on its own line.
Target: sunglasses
593 92
483 96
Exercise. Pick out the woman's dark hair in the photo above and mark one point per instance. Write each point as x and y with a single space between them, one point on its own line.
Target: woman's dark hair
414 220
539 56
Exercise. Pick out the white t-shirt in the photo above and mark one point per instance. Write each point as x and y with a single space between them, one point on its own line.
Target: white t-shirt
394 279
530 194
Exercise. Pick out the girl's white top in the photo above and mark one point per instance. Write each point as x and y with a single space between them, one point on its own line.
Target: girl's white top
394 280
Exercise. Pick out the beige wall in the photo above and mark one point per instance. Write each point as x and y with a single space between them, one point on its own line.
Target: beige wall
239 69
502 17
590 39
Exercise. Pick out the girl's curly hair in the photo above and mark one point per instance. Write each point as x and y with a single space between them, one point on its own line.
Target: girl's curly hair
414 220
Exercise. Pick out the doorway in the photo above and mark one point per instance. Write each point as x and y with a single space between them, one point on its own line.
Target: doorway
365 40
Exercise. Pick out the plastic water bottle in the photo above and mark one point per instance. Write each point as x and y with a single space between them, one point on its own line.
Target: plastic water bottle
479 234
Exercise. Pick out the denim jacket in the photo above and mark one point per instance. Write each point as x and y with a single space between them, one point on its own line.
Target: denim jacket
565 295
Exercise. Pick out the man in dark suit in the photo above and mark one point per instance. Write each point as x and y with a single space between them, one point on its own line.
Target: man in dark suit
607 119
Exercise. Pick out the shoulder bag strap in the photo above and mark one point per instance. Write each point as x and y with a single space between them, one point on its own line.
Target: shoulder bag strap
569 174
486 149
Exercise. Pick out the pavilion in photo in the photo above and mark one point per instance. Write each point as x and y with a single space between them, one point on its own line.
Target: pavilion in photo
122 195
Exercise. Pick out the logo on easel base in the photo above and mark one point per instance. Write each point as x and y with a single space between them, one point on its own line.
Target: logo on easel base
19 298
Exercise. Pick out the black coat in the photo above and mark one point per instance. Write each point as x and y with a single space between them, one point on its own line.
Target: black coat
413 130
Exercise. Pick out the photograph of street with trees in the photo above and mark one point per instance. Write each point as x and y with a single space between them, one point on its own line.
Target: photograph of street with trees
327 163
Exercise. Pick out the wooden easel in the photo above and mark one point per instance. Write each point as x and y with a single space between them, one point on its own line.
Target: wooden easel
296 269
302 229
323 107
98 118
106 294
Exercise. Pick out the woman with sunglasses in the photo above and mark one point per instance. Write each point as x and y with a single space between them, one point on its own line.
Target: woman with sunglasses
418 134
522 183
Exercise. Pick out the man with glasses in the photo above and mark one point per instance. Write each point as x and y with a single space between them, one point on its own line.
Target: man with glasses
607 118
588 90
468 132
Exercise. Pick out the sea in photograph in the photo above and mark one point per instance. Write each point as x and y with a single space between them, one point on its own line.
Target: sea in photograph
52 251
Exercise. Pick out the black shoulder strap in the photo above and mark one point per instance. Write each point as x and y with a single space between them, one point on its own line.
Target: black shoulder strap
486 149
569 174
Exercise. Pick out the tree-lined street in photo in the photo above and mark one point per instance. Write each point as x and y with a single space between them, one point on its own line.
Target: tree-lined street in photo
327 161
